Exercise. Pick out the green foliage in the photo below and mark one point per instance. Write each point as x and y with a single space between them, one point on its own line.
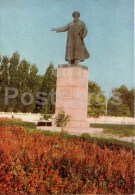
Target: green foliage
96 103
16 122
49 87
62 119
85 136
21 75
131 101
45 115
47 132
121 103
111 143
25 77
102 142
4 81
13 69
118 110
49 79
121 130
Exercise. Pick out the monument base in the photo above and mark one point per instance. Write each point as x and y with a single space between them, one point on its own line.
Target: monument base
72 97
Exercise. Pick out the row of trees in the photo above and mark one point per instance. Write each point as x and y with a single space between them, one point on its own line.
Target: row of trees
23 89
120 102
23 77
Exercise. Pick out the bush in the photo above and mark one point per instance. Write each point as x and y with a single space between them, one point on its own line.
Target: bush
85 136
46 117
62 119
16 122
110 143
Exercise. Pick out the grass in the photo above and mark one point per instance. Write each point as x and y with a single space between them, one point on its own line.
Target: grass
17 123
115 129
110 143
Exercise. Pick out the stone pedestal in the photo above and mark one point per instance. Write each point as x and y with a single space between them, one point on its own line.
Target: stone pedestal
72 95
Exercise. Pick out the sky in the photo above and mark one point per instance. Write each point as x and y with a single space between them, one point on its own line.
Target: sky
25 27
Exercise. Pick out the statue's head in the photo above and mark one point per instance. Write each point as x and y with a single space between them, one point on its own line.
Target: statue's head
76 14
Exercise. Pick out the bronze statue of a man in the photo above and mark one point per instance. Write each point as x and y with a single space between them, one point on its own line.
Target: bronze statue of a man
77 31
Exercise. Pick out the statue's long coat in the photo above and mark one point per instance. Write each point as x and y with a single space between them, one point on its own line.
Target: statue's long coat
75 49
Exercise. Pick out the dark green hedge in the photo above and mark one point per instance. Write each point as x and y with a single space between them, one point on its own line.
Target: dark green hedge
25 124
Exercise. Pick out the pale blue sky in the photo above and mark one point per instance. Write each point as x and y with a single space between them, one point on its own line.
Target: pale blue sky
25 27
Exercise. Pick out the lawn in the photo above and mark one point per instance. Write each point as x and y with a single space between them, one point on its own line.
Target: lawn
16 122
115 129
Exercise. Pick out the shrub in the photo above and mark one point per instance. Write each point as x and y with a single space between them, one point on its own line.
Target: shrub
46 117
85 136
62 119
31 163
16 122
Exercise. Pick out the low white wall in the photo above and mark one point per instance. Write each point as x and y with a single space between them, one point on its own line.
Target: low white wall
30 117
103 119
112 120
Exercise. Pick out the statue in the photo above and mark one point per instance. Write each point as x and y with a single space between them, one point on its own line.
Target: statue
77 31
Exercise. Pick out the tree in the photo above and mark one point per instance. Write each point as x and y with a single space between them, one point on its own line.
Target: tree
49 89
96 102
24 77
62 119
118 110
34 83
121 102
131 102
13 69
4 70
29 84
4 81
13 78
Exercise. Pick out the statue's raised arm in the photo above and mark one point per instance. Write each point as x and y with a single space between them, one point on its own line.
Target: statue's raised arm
61 29
77 31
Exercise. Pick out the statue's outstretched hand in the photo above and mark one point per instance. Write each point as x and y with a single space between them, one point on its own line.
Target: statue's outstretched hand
53 29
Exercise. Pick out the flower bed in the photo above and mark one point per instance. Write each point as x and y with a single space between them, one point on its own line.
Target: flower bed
32 163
